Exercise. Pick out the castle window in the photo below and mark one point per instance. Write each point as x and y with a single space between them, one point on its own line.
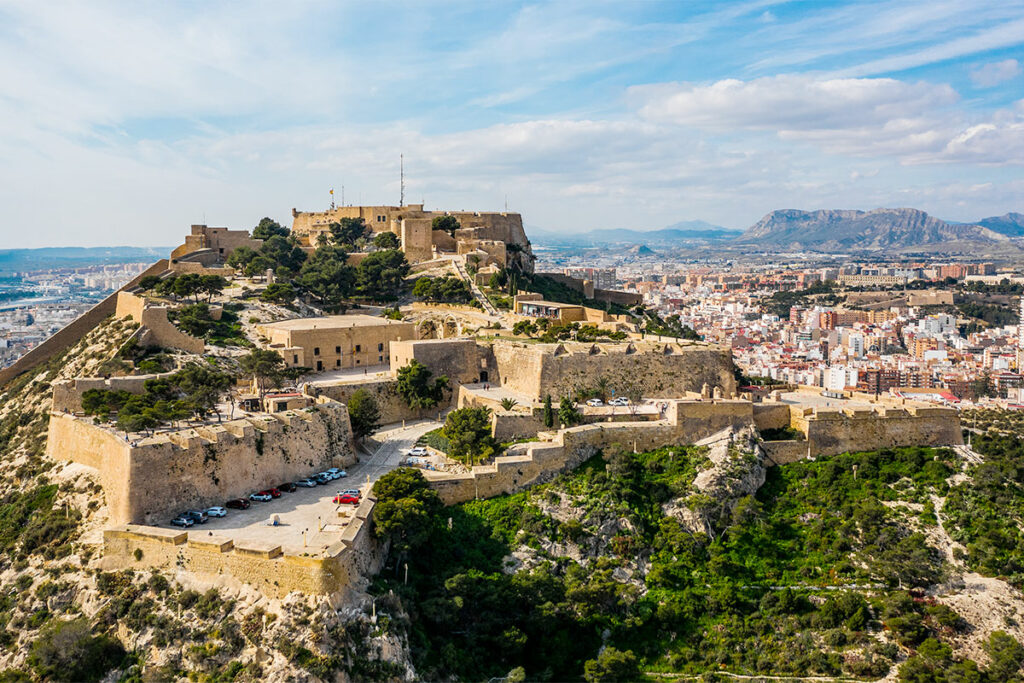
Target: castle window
358 348
337 363
337 349
381 219
380 347
295 359
316 350
380 359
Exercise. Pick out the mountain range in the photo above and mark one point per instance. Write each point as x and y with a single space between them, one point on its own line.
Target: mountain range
822 230
18 260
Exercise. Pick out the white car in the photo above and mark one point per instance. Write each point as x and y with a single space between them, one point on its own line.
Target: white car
337 473
418 452
595 403
350 492
308 483
216 512
620 401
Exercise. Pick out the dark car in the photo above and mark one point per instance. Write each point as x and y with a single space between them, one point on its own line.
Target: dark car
287 487
197 516
238 504
323 478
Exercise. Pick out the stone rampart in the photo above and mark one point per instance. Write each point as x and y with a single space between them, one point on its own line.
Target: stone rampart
268 567
393 407
837 431
71 333
157 330
148 480
772 415
509 426
657 370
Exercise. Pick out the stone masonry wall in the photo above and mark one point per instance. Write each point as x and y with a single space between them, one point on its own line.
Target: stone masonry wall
393 407
158 329
148 480
67 393
267 567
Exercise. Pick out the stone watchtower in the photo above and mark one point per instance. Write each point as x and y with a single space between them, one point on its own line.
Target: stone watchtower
416 236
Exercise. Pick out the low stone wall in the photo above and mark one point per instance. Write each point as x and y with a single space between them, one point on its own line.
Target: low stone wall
772 416
67 393
266 566
833 431
147 480
393 407
508 426
69 335
784 452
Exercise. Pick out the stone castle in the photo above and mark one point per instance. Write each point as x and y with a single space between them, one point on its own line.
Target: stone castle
691 388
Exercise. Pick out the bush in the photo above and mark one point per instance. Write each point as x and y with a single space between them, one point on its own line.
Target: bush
69 651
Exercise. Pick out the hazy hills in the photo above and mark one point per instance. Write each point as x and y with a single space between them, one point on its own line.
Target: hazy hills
18 260
822 230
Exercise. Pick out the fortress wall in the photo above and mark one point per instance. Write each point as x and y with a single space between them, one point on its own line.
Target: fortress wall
784 452
457 359
772 415
655 373
159 330
156 477
830 434
71 439
71 333
506 426
67 393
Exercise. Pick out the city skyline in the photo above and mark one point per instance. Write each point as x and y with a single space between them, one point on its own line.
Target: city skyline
125 124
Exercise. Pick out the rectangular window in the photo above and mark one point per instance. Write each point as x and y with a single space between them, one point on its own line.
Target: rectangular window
380 358
358 348
337 349
316 350
295 359
380 347
337 363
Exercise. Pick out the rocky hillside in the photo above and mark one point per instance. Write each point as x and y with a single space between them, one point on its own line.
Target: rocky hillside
698 563
64 617
880 229
1010 224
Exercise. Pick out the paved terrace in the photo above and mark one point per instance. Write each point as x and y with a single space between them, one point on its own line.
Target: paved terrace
310 510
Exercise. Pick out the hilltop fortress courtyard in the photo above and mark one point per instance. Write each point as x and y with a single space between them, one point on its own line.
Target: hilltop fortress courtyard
292 326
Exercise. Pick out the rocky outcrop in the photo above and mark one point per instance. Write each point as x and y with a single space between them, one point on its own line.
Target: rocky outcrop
861 230
736 470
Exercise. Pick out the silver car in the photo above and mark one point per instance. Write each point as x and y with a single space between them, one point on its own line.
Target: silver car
217 511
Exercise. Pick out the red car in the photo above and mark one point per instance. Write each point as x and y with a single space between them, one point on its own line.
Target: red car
345 499
237 504
273 493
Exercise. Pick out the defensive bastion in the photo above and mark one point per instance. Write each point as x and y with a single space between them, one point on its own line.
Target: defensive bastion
147 480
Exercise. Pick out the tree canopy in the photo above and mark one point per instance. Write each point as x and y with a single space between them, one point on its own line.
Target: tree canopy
386 240
265 366
379 276
416 387
468 431
268 228
448 224
363 413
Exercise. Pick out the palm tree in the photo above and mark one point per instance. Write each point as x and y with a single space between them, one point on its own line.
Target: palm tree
509 403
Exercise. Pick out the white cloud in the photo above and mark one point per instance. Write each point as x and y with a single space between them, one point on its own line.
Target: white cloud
990 75
791 102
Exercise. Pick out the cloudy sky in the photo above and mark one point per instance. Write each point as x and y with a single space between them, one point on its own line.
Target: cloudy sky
124 122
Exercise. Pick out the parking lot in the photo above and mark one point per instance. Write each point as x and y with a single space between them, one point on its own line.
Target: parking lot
309 521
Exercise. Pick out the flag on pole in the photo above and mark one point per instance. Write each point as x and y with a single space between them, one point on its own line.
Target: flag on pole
332 190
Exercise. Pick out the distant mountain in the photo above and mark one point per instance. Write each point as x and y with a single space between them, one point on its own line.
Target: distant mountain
18 260
879 229
677 233
1010 224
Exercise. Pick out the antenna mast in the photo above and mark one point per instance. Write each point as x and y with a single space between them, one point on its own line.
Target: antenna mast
401 167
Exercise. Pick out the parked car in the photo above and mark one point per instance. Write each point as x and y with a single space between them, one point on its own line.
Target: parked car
323 478
182 521
346 500
308 483
261 496
350 492
197 516
216 511
418 451
274 493
337 473
620 401
238 504
595 403
287 487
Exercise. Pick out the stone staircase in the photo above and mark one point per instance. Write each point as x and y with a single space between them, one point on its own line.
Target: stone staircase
460 268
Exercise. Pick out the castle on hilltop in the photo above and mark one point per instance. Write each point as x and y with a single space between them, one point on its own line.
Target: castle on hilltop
496 237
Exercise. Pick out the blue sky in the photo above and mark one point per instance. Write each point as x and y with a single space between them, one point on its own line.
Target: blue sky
126 122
